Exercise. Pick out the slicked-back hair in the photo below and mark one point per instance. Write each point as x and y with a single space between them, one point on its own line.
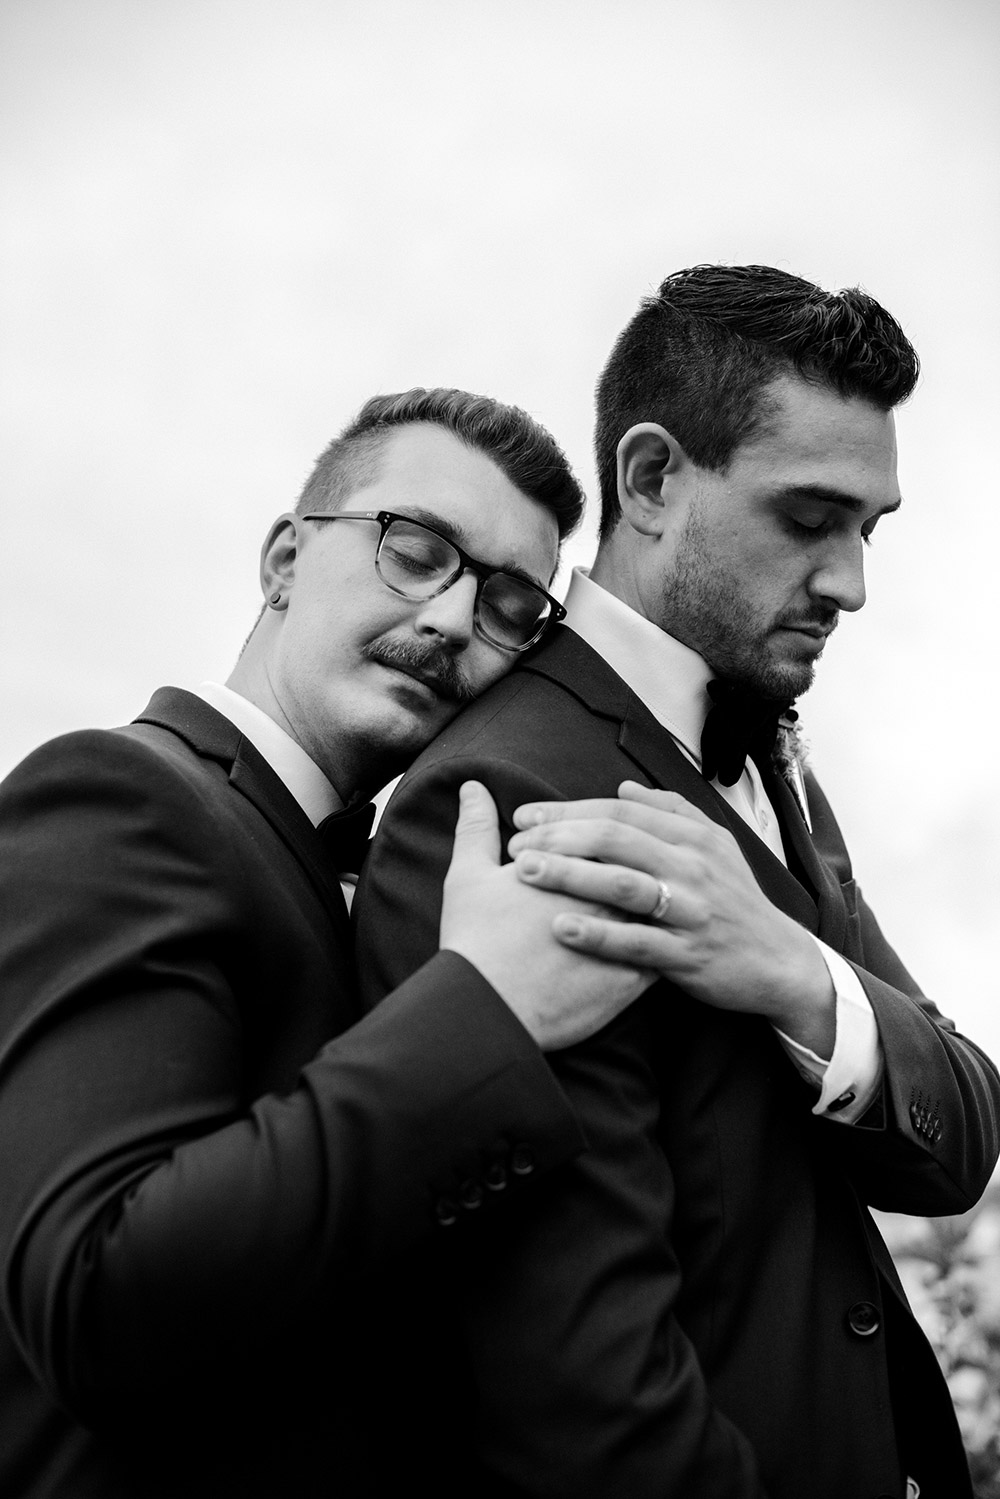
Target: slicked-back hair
525 452
700 355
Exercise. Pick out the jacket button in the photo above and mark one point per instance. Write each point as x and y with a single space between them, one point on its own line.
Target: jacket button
863 1319
445 1211
495 1176
522 1162
471 1194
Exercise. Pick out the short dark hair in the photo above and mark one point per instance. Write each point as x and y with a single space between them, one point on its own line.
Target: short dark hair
529 456
699 356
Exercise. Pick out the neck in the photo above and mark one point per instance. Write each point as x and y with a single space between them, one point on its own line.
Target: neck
614 569
251 679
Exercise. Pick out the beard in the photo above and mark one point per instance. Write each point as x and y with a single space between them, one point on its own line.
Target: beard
714 613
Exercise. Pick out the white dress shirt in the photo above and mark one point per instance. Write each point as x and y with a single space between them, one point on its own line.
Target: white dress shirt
286 757
671 680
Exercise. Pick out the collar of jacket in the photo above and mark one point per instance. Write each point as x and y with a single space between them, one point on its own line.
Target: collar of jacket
574 666
214 737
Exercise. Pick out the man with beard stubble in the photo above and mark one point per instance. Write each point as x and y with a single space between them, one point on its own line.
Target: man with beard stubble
701 1306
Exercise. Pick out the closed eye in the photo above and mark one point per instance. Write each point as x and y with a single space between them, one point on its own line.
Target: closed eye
812 529
817 529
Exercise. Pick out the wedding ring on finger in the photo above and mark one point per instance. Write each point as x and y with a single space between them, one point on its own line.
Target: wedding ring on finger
663 899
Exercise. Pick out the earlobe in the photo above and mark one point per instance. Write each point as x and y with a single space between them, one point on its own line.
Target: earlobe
278 556
648 459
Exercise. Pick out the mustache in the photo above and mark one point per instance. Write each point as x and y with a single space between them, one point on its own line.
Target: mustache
429 663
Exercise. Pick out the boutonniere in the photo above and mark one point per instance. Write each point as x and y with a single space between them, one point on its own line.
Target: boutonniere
789 758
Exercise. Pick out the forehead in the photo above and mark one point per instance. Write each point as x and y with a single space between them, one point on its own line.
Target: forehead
427 471
815 437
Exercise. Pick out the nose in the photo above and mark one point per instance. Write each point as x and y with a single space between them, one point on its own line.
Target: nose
840 579
450 615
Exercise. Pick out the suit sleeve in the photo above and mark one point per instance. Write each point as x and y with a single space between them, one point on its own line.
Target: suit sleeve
930 1142
161 1221
586 1383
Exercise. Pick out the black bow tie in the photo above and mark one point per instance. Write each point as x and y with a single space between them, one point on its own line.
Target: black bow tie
345 836
740 724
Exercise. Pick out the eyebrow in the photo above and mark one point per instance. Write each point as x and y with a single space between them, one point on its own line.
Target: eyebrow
830 496
459 537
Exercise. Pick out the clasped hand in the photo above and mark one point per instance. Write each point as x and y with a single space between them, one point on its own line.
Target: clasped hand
720 940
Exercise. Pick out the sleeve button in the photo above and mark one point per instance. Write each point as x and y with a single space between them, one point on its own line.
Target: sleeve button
522 1162
863 1319
471 1194
445 1211
495 1176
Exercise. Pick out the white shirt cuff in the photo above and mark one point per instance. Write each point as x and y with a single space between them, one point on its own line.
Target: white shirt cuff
849 1081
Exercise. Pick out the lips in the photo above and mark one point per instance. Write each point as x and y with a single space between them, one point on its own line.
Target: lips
815 629
426 679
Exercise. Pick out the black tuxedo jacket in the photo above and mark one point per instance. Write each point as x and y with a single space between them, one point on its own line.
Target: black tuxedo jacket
210 1163
700 1306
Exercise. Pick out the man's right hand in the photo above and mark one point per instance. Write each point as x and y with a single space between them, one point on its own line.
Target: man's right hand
504 928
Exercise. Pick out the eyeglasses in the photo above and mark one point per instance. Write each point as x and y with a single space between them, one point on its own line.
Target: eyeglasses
417 562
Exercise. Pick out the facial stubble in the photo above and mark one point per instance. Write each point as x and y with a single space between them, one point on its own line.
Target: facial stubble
705 607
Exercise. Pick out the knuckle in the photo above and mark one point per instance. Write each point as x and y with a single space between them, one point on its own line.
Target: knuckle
605 838
642 948
542 835
624 887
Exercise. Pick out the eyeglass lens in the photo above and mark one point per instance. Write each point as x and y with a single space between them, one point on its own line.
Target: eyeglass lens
415 562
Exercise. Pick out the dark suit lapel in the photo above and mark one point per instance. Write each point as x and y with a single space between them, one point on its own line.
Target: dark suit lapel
578 669
212 735
835 925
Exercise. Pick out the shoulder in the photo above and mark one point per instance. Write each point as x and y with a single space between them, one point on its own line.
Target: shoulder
131 764
111 804
560 702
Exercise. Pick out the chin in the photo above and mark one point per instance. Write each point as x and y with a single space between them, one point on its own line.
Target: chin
783 681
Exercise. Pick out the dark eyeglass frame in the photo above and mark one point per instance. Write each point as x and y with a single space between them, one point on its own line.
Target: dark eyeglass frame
481 570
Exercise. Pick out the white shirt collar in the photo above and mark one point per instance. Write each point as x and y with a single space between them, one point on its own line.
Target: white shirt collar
667 676
286 757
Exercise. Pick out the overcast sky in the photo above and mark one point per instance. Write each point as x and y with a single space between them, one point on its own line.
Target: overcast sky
225 223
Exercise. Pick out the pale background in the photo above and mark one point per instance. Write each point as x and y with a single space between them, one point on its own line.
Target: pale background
226 223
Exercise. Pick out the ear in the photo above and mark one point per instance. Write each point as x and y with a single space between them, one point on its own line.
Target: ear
650 461
278 556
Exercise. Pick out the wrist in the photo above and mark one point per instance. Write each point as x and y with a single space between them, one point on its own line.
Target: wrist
804 1005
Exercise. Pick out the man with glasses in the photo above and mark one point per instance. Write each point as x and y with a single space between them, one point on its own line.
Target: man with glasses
212 1165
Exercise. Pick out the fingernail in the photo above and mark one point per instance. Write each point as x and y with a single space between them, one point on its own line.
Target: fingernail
530 866
570 927
468 793
528 817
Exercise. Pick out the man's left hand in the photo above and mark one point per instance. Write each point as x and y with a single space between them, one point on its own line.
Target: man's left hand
720 939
